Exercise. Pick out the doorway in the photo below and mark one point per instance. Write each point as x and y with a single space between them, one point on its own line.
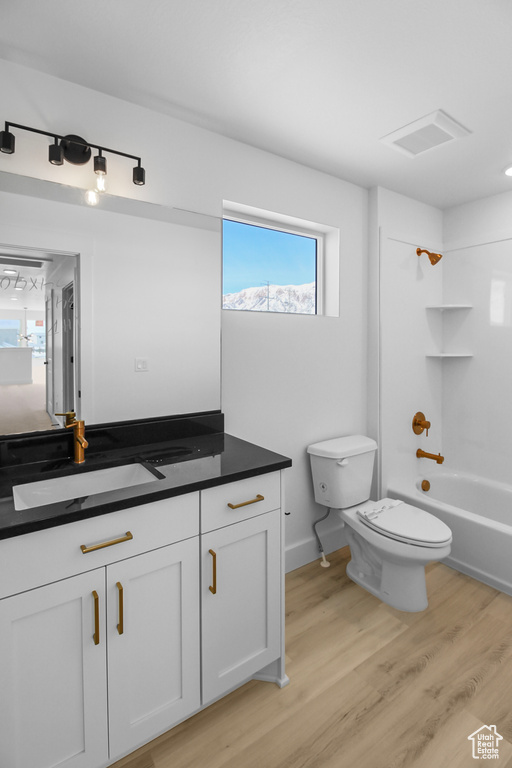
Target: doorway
38 338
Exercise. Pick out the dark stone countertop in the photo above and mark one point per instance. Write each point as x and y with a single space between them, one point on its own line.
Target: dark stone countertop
190 462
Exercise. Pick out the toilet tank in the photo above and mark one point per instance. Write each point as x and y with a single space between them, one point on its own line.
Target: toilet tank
342 470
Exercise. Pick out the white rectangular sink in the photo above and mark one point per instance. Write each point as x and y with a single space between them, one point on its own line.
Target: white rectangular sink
74 486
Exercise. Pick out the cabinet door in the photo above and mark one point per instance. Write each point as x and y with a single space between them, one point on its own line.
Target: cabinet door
53 698
241 616
153 643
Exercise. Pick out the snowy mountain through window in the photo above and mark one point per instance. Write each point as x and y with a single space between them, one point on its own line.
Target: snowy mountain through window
268 270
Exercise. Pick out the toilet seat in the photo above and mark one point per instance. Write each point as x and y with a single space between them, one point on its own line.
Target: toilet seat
403 522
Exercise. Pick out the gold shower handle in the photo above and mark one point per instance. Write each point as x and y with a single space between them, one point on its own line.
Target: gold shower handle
419 423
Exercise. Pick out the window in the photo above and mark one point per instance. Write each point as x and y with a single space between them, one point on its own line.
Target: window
270 269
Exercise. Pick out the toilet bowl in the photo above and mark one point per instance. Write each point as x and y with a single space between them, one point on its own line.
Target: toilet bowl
389 559
390 541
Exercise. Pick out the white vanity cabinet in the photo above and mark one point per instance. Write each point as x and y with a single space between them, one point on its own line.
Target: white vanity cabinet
108 656
241 575
152 639
115 628
53 688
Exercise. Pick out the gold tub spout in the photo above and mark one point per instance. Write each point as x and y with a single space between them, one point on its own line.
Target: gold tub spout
424 455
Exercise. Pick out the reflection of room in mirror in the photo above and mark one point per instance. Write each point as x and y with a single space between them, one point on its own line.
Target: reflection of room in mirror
35 289
149 287
23 406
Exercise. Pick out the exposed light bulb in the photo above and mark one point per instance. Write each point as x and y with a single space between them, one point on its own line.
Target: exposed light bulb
101 183
508 171
91 197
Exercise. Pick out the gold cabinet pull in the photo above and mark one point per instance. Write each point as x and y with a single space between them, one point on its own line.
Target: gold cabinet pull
85 549
259 497
120 626
96 636
213 588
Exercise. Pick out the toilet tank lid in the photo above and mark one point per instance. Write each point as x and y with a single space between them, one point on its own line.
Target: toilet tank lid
341 447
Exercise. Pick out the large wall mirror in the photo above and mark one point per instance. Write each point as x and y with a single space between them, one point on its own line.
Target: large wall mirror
113 312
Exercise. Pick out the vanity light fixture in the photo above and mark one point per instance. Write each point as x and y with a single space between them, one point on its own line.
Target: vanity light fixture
100 164
73 149
508 171
56 153
139 175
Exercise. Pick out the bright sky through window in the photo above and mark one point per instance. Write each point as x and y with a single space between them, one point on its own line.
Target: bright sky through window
255 257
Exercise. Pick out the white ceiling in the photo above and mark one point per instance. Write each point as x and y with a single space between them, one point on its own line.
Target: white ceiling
316 81
26 288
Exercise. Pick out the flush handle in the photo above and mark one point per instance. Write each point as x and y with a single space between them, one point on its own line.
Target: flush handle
342 463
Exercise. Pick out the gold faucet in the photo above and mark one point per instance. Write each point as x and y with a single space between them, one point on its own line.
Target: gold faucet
424 455
79 441
70 417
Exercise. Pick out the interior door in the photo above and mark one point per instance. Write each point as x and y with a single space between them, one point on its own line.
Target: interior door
49 353
68 352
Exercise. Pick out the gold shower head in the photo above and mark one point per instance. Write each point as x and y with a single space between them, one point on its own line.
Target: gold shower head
434 257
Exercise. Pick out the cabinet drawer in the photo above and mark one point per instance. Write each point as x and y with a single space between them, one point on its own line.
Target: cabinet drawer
227 504
55 553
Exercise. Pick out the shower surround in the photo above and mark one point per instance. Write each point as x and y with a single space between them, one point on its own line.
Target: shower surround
445 349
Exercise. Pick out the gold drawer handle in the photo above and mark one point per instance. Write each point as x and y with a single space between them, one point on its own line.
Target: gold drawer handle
120 626
259 497
85 549
96 636
213 589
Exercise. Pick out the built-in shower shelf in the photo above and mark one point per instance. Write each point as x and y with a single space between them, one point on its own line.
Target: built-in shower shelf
444 308
449 354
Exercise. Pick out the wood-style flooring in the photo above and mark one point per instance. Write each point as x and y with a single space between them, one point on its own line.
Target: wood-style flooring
370 687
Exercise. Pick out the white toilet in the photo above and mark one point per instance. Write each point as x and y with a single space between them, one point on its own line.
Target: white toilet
390 541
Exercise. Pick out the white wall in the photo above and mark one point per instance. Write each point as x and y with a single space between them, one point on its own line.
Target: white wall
287 381
292 380
478 271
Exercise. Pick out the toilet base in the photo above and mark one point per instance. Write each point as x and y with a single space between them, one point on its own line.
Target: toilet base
401 586
392 570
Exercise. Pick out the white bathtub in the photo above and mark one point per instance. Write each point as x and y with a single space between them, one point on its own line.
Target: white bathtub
479 513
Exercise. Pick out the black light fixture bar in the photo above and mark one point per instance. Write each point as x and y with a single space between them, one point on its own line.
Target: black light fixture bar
7 146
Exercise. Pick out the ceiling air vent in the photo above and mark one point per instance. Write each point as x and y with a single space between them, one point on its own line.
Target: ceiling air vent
426 133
